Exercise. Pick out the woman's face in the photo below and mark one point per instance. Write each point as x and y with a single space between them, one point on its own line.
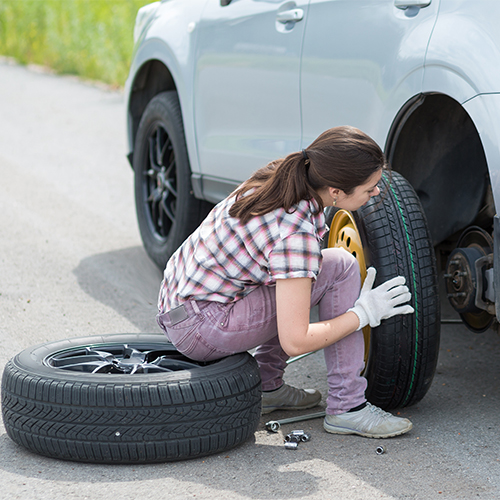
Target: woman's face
360 195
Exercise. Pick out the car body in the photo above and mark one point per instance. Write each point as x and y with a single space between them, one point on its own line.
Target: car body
258 79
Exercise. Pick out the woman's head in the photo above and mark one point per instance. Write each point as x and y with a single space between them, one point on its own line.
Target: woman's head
343 158
340 164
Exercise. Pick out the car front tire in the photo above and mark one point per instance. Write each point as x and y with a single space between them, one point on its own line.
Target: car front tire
167 211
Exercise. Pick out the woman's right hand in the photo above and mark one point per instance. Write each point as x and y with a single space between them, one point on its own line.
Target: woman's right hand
383 302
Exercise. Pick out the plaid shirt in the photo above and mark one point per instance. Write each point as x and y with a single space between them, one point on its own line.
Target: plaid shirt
224 260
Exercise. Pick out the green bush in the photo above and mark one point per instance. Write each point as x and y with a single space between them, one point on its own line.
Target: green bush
89 38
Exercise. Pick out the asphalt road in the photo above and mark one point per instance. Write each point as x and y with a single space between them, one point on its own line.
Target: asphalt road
72 264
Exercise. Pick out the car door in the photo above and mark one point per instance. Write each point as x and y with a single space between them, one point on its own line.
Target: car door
246 95
362 60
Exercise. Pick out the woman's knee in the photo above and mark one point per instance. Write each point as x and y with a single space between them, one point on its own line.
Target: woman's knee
340 265
339 273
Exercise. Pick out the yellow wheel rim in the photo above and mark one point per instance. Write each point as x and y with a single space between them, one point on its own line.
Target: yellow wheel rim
344 234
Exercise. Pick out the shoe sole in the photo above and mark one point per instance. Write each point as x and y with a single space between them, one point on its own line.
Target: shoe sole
345 430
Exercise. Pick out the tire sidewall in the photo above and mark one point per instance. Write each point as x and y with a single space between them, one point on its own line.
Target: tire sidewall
403 349
32 361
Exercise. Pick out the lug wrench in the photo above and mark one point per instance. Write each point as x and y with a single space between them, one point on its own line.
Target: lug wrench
275 425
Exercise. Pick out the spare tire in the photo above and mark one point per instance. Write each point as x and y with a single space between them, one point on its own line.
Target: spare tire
390 233
128 398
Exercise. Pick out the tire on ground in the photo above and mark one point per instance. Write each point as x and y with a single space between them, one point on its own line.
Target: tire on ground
129 418
167 211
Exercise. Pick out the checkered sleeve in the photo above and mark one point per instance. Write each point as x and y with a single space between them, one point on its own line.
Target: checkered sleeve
296 256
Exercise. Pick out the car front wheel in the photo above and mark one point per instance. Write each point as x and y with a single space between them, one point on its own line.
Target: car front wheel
167 211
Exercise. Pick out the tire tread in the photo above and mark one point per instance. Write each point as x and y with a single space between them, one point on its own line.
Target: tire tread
404 349
157 421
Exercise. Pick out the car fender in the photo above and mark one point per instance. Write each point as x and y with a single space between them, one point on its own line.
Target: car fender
463 62
445 80
464 51
484 111
170 39
396 104
153 49
482 108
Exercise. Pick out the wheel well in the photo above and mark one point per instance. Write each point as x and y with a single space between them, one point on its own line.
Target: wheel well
152 78
435 145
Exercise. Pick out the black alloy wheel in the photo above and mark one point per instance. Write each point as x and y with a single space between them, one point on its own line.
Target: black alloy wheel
167 211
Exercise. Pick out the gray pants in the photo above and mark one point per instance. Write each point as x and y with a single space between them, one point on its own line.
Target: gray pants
211 330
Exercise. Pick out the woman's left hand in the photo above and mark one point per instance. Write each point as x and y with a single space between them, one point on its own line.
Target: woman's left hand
383 302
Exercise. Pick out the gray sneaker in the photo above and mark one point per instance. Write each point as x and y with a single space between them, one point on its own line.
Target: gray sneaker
289 398
371 422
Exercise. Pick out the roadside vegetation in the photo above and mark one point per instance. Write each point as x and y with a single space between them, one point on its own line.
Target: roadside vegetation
89 38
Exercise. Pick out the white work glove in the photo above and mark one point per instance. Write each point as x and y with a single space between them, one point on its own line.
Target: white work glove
374 305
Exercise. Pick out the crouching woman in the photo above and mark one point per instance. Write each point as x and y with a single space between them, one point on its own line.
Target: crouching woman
248 276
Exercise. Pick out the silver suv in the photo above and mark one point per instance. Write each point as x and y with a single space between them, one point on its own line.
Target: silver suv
218 88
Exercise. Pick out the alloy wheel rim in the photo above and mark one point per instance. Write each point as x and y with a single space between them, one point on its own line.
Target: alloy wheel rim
120 359
160 182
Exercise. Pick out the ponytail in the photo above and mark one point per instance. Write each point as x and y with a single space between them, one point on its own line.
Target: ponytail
342 157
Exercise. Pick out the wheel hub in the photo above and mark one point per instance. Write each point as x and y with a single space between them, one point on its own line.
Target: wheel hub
465 279
462 279
160 179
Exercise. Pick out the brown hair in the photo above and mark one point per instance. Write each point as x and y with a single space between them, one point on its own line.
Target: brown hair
341 157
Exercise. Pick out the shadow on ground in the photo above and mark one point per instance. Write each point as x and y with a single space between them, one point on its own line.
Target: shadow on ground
125 280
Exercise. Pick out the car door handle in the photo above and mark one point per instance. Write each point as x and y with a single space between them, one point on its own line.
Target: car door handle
405 4
292 15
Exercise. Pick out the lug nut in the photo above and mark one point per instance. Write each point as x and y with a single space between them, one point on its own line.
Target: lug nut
293 439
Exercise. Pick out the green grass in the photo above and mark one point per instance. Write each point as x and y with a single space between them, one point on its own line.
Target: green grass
89 38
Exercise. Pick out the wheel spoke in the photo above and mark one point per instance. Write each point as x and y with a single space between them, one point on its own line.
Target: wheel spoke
152 155
159 156
172 364
170 170
169 186
165 146
158 215
120 359
167 209
86 365
155 209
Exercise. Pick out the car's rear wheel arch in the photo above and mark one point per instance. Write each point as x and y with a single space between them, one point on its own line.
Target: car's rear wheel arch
436 146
